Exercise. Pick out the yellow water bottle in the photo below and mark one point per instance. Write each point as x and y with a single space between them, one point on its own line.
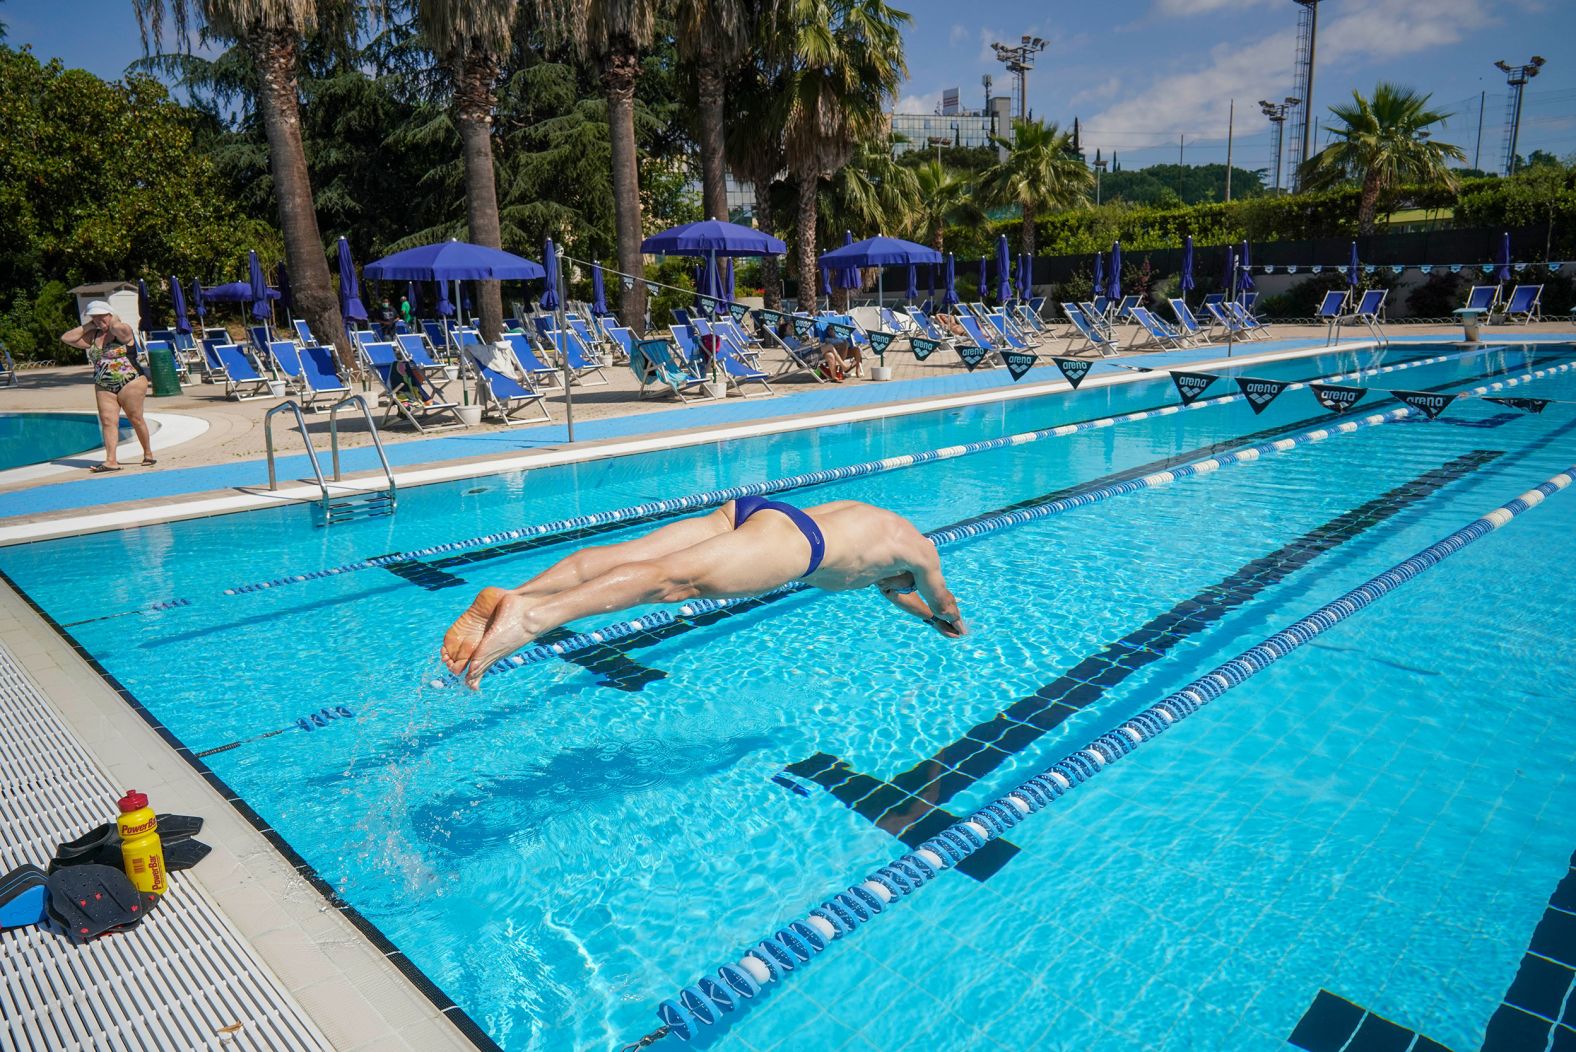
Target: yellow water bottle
139 843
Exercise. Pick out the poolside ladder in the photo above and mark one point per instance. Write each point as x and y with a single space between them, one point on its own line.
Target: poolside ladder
335 507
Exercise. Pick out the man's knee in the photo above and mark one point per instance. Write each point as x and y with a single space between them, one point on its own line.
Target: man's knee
659 579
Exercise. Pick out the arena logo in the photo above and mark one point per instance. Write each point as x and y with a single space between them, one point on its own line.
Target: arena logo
1074 369
1260 393
1191 385
1335 398
1018 363
972 356
1426 402
922 347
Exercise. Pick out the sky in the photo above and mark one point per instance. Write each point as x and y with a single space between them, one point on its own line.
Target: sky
1139 74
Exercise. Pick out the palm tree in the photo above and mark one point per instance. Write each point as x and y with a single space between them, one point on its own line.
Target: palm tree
870 193
847 61
1042 172
753 143
942 198
615 34
469 36
1383 142
271 31
711 36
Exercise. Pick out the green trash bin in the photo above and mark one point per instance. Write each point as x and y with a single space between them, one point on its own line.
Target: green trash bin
161 369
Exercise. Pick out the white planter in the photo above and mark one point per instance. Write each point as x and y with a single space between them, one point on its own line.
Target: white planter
470 414
880 372
715 388
276 388
450 372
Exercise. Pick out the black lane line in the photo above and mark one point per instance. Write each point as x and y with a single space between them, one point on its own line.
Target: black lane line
1541 1001
910 805
1333 1023
423 575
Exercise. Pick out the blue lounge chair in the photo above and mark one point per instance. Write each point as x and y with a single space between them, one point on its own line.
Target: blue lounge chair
414 347
1124 309
304 334
260 338
1367 312
1094 338
399 400
623 339
506 394
1225 319
1331 309
1009 333
7 367
573 353
971 326
1250 325
1157 331
928 328
239 373
654 363
1483 297
1097 320
1187 322
1524 300
737 372
313 369
437 337
536 371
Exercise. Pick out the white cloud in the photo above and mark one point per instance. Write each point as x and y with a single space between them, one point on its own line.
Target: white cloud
1178 8
988 36
959 35
1196 102
929 102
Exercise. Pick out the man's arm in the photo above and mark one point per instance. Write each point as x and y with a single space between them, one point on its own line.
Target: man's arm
934 602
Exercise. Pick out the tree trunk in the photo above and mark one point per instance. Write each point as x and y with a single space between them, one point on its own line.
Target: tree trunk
936 238
1028 229
713 170
771 266
278 103
809 186
474 76
1368 204
618 80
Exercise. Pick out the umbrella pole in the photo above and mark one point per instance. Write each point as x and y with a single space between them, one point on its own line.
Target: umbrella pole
563 348
880 302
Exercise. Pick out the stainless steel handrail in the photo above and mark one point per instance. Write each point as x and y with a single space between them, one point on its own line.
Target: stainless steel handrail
268 439
372 428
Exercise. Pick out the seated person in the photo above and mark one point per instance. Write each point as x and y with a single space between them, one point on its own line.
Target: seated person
409 382
839 356
952 327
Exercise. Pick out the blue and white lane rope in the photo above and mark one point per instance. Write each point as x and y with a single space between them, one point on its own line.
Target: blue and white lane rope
717 497
794 944
947 535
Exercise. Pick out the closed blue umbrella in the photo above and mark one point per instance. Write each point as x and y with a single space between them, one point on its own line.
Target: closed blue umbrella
598 292
1229 279
144 307
1113 284
282 281
178 301
349 290
1186 283
930 300
1247 263
949 292
413 294
1099 273
912 292
984 281
197 300
1352 268
1504 257
549 299
1025 276
258 286
1003 269
732 287
444 308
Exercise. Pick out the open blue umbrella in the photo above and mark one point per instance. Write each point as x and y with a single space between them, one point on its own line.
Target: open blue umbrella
912 292
350 306
282 281
178 301
1003 270
257 285
713 237
1186 282
1113 284
1351 268
949 293
598 292
453 261
197 301
848 277
880 252
1504 258
549 299
144 307
1247 272
1099 273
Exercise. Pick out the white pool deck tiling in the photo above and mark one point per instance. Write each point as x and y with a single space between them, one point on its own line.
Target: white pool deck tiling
251 936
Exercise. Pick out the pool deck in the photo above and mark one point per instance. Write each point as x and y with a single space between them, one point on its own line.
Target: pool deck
276 951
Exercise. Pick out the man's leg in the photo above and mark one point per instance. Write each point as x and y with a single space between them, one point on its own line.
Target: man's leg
743 562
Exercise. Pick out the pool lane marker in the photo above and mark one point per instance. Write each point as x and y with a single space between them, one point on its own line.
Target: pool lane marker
794 944
948 535
714 498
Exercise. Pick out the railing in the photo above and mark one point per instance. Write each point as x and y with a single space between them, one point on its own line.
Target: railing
294 408
332 512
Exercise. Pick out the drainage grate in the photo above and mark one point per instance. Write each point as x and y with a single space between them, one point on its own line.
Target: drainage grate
182 979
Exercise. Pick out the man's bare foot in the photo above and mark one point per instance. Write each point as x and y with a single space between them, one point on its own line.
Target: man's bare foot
510 628
459 642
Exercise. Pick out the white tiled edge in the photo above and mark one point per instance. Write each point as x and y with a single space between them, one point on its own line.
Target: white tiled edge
198 506
168 429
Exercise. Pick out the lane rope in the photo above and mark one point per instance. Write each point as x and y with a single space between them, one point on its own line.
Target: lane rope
793 945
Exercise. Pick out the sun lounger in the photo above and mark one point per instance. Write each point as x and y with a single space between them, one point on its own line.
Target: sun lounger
581 364
1483 297
414 348
430 410
239 373
313 369
7 367
1250 325
1097 320
1225 319
1125 308
1010 333
1157 331
1094 338
1330 311
506 394
1526 301
1366 311
972 326
538 372
1187 322
654 363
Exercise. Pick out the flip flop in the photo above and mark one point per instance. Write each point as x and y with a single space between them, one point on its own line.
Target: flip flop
89 901
99 469
148 462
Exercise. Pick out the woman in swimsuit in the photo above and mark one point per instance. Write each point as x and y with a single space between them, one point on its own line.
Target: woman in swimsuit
746 547
118 383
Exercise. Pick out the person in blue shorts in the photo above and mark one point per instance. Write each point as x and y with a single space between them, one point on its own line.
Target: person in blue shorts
746 547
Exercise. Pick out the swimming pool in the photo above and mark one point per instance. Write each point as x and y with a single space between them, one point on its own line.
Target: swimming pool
1381 817
32 438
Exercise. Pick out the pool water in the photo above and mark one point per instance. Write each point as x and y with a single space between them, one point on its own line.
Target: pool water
33 438
1381 817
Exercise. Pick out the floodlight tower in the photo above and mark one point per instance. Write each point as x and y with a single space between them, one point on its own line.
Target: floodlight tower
1019 59
1516 77
1302 86
1277 112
